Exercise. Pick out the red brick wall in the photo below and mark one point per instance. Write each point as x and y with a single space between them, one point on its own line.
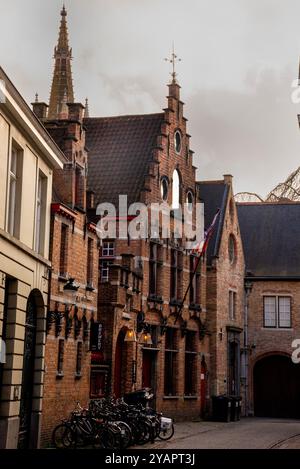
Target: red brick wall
222 277
112 298
62 392
267 341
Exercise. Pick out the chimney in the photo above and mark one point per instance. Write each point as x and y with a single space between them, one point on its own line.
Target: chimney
76 112
228 179
40 110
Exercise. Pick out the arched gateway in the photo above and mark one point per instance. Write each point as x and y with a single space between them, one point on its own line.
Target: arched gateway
276 386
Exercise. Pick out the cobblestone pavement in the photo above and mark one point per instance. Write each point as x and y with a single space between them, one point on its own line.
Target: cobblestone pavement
248 433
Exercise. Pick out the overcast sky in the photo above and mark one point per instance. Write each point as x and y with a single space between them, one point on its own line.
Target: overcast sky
239 58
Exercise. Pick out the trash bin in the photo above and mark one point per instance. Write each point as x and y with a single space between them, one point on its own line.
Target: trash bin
236 402
221 408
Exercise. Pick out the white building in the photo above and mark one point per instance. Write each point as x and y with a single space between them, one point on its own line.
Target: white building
28 157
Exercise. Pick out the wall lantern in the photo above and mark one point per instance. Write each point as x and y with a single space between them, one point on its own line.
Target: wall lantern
146 338
130 336
70 291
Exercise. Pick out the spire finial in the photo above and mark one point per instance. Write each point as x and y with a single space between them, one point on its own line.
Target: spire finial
173 60
87 111
63 11
36 97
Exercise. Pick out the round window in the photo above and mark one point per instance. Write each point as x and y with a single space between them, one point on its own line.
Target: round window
189 201
231 249
164 189
177 138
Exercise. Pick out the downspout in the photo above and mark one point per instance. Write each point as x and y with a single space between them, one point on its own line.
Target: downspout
248 288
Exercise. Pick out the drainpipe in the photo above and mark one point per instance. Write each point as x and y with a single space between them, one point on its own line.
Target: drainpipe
248 288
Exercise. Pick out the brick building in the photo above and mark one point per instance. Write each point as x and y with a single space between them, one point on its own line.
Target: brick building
271 239
142 282
225 287
73 251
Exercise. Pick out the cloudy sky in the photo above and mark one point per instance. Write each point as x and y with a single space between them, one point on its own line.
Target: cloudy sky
239 59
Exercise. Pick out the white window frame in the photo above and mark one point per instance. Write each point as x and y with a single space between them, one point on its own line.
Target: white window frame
15 190
108 249
277 311
40 216
104 274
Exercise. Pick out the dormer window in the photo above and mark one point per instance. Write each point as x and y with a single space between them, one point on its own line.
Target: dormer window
177 141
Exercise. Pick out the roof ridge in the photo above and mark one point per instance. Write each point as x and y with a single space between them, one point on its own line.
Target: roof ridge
217 181
126 116
264 204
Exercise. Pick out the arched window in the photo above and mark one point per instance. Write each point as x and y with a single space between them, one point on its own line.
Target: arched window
175 190
164 188
232 249
189 201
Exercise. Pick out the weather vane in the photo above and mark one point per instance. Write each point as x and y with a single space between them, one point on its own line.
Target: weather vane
173 60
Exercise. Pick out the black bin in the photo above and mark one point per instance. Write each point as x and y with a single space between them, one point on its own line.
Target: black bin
221 406
236 402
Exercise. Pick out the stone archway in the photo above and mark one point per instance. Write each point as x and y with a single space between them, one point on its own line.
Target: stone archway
276 387
32 372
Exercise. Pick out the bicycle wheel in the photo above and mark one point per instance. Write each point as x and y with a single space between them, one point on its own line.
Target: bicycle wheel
106 438
166 433
126 434
62 436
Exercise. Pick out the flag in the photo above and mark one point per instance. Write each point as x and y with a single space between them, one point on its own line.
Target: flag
201 247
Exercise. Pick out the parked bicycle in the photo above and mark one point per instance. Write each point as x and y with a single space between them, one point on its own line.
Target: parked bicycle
113 424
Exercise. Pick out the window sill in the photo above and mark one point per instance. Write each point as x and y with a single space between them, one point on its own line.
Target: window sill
190 397
78 375
89 288
170 397
59 374
63 277
289 329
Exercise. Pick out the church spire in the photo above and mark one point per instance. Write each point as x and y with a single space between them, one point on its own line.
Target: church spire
62 84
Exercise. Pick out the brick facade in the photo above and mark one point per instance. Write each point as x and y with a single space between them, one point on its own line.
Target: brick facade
74 254
224 276
133 259
265 341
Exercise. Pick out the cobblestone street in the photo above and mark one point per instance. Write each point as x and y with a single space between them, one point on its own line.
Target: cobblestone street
249 433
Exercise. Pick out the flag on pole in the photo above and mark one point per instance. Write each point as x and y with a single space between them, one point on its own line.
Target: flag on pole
200 248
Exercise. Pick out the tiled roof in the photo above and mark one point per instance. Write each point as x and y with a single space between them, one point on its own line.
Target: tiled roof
214 194
119 152
271 238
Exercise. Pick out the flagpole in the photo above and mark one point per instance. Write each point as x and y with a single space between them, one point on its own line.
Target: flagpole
209 233
188 288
